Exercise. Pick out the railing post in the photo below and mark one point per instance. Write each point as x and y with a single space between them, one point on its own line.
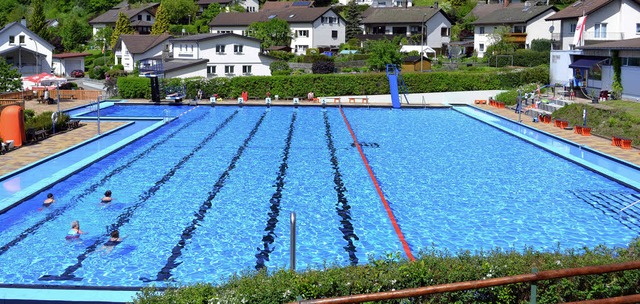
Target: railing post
292 245
534 288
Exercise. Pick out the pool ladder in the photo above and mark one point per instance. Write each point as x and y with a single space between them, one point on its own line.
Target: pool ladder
424 102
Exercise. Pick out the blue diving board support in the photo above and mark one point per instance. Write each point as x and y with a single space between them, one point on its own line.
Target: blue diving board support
392 75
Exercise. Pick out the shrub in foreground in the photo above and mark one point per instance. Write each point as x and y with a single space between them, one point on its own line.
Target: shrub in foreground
432 267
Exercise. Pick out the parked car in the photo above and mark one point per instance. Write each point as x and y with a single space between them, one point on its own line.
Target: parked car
77 73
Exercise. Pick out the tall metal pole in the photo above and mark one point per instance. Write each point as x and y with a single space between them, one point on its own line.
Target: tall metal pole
292 244
98 104
422 42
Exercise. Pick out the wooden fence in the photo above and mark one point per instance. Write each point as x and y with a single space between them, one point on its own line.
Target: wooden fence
64 94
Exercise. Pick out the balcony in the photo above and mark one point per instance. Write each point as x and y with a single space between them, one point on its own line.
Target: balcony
602 36
517 38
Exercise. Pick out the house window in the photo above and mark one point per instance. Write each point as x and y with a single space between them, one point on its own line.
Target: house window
139 17
228 69
378 30
572 27
220 48
481 47
600 30
225 32
246 70
21 39
445 31
415 30
481 30
519 29
237 49
382 3
638 28
251 9
629 61
301 48
148 17
334 34
329 20
12 39
303 33
211 69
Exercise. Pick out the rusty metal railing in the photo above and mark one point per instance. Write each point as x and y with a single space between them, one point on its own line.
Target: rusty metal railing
522 278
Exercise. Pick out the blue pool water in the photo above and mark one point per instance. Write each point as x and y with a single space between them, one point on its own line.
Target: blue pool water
210 194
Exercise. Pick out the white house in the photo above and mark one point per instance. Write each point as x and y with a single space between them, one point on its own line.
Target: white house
131 49
525 22
605 21
65 63
227 54
311 27
25 50
251 6
142 17
420 25
629 53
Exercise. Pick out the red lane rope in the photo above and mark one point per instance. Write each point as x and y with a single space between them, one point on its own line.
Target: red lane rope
405 245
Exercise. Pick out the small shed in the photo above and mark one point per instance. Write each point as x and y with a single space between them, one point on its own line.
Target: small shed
412 64
64 63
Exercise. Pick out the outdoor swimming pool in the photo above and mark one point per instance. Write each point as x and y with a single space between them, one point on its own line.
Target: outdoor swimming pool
210 193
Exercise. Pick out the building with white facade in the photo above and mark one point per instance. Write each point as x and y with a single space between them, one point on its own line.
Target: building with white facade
132 49
251 6
227 54
25 50
604 21
420 25
65 63
524 21
315 27
142 17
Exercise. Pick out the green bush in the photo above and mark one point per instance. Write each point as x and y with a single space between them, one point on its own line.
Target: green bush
432 267
280 68
134 87
606 122
43 121
350 84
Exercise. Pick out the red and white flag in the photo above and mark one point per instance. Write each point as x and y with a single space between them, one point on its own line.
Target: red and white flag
577 37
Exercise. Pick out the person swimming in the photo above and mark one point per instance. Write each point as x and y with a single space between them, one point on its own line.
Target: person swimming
114 240
74 232
50 200
107 197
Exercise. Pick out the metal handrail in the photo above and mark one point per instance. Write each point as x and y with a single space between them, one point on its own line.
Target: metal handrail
628 206
459 286
424 102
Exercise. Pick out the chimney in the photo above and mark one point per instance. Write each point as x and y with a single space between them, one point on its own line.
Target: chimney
23 21
506 3
435 5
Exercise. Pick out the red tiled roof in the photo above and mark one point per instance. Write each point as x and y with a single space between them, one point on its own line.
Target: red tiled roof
581 8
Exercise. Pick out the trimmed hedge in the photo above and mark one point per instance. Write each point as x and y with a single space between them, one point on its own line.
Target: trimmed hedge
432 267
342 84
134 87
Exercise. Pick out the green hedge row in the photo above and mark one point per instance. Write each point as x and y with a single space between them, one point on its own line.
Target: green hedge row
431 268
43 121
340 84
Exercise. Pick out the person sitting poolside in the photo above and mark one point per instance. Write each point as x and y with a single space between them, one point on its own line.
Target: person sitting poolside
50 200
107 197
75 231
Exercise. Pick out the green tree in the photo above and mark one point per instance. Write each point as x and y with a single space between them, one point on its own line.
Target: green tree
102 37
383 52
273 32
180 9
37 21
9 77
208 14
99 6
353 18
75 32
161 25
123 26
